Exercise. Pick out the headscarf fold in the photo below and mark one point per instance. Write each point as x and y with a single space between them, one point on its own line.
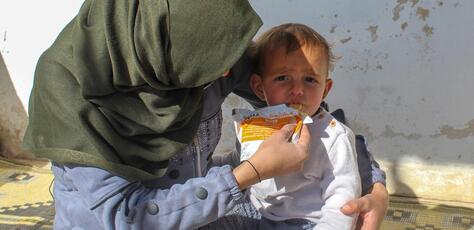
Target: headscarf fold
121 87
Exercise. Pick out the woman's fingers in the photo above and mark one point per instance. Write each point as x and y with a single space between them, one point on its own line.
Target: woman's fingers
276 156
305 138
285 133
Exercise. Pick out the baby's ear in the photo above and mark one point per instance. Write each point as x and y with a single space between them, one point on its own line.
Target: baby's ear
256 86
328 87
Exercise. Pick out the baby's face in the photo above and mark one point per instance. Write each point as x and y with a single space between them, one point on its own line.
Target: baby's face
299 77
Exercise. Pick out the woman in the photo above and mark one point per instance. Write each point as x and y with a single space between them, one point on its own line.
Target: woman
126 104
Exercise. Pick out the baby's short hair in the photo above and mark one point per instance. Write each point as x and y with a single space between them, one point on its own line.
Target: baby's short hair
292 36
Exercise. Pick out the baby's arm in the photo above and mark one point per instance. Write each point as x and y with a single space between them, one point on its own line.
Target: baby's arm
340 183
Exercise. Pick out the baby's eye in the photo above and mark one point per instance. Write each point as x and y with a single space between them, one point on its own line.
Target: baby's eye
281 78
310 79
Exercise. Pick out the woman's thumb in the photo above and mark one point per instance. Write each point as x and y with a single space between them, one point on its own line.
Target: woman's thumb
286 131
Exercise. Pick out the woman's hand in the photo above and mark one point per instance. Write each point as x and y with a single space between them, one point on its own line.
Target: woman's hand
371 208
275 156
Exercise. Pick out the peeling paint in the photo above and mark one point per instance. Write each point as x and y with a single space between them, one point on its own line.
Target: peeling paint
397 9
414 2
422 13
361 128
428 30
399 101
434 136
373 32
333 28
404 26
452 133
346 40
389 133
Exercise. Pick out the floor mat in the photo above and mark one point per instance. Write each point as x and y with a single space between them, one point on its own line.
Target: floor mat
26 203
408 215
25 200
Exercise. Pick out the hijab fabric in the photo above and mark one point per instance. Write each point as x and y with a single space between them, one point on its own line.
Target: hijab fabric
121 88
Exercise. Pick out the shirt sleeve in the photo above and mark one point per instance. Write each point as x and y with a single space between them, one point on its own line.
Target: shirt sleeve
340 183
119 204
369 169
231 158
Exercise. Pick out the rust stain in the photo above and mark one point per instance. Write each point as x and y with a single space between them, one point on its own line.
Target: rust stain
452 133
428 30
333 28
404 26
346 40
373 32
397 9
422 13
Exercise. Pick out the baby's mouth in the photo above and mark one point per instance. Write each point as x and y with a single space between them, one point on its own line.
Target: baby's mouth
297 106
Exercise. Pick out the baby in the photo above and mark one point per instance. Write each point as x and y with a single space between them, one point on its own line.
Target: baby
292 65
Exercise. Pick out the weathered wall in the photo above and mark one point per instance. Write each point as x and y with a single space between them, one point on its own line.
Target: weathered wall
405 80
405 77
27 28
13 118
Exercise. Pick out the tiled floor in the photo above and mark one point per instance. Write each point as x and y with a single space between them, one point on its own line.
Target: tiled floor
26 203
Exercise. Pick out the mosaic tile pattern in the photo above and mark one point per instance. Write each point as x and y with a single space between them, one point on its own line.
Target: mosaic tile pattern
423 216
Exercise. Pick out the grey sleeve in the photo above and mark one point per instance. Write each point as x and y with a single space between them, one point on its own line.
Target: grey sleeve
231 158
119 204
369 169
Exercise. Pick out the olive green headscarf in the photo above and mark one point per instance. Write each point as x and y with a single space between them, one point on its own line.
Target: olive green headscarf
121 87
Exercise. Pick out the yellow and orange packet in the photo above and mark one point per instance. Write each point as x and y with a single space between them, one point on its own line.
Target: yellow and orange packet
254 126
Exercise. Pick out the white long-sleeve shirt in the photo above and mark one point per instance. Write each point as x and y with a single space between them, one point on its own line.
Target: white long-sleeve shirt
329 179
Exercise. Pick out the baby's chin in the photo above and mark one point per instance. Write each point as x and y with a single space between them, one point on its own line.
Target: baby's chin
300 107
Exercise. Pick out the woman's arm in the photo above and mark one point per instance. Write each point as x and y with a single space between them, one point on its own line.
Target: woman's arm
119 204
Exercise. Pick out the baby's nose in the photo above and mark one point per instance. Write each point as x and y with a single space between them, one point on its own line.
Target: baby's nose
297 89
